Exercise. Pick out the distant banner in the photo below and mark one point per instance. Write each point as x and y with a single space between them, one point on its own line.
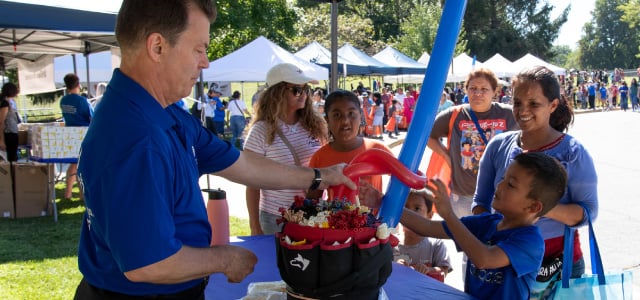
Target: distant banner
36 77
116 57
224 87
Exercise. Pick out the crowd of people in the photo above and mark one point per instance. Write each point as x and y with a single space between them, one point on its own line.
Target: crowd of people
602 89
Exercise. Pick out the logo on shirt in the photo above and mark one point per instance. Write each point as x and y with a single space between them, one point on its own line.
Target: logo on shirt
490 276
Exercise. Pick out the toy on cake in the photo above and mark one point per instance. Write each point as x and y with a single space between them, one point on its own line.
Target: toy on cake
338 249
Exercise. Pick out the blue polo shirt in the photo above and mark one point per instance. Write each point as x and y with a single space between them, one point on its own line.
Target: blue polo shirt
76 110
219 113
139 165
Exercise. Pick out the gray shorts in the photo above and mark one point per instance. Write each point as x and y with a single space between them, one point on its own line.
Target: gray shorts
268 223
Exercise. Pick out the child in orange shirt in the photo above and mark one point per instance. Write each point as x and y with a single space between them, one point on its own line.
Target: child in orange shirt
342 111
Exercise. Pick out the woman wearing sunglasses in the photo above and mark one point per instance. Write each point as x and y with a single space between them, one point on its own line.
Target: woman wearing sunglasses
287 129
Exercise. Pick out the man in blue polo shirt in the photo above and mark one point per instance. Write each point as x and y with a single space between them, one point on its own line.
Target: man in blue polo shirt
76 111
145 233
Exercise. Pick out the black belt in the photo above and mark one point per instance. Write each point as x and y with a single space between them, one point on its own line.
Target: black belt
195 292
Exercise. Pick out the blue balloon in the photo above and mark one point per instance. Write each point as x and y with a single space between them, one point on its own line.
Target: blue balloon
426 107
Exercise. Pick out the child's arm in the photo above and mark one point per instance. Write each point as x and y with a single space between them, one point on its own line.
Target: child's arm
483 256
372 198
421 225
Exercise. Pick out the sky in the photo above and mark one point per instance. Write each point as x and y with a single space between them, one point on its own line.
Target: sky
579 14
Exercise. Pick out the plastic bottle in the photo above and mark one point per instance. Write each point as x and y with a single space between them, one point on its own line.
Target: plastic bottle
218 214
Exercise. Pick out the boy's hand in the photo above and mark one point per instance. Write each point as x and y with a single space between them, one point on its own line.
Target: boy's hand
368 195
439 196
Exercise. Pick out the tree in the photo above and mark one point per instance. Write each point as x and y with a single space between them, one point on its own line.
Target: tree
418 32
512 28
241 21
315 24
608 42
631 16
560 56
385 15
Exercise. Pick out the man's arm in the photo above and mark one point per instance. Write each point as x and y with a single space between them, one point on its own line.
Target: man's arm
192 263
257 171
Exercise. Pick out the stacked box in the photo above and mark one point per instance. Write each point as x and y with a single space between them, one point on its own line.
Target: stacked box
32 189
7 208
56 142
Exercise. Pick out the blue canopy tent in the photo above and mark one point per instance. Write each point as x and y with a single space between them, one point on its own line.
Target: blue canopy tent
29 31
360 58
317 54
395 58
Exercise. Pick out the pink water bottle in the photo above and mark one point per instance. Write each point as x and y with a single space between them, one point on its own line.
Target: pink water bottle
218 214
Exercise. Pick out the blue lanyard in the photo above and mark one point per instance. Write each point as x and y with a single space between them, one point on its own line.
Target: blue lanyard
475 121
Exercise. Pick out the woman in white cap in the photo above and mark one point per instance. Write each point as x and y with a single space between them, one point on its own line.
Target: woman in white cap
286 129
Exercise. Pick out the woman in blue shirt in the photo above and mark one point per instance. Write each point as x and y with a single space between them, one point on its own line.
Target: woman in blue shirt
543 117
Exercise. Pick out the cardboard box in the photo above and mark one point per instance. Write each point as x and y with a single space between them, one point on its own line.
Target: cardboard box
7 208
32 189
23 137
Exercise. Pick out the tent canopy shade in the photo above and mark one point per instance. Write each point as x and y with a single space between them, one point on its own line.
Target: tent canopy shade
530 60
317 54
501 66
358 57
395 58
28 31
251 62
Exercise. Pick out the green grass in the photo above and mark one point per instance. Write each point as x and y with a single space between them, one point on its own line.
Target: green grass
38 258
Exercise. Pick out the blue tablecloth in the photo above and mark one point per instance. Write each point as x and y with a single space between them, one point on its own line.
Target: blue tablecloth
404 283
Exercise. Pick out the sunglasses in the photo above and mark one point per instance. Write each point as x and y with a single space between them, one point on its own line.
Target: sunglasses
298 90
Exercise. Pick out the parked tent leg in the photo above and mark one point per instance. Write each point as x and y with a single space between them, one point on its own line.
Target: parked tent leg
87 51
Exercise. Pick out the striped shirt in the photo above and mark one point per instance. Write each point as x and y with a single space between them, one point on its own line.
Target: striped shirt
303 143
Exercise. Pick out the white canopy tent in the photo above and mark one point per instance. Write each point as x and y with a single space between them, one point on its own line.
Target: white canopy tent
501 66
530 60
461 66
424 58
252 62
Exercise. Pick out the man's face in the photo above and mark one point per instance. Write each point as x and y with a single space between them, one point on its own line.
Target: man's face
182 62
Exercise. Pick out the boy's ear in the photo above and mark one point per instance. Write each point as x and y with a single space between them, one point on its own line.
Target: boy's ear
536 206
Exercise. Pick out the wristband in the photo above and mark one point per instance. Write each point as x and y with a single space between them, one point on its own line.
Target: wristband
316 180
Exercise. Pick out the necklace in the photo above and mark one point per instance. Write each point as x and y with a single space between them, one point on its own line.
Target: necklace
545 147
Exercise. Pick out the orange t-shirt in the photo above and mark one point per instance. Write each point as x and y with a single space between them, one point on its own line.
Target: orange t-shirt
327 156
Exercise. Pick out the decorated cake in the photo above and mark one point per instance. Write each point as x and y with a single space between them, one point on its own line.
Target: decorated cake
338 249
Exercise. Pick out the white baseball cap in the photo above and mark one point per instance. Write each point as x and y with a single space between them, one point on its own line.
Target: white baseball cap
286 72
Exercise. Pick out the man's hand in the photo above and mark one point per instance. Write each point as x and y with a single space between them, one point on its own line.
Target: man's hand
334 176
239 263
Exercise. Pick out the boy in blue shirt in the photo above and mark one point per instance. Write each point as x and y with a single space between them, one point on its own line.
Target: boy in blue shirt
505 249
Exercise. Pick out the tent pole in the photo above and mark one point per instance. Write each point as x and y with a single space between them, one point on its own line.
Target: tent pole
87 51
75 65
334 45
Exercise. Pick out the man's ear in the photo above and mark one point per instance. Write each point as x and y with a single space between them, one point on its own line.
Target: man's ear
155 46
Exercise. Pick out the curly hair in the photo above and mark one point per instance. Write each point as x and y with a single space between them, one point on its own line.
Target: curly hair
272 106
